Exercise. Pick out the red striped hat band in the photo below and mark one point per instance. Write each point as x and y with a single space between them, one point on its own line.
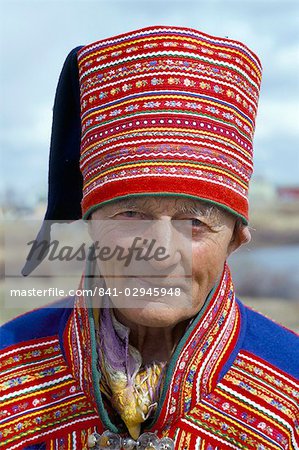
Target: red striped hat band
168 111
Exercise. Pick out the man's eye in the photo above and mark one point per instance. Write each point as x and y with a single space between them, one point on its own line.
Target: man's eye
196 223
130 214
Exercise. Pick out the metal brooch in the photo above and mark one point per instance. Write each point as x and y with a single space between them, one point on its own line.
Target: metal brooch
113 441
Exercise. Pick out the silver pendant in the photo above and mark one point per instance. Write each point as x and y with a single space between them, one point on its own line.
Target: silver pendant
129 443
148 441
113 441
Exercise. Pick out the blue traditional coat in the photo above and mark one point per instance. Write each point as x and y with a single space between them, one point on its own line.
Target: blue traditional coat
232 382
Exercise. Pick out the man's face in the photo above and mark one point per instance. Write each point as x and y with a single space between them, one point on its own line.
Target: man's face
196 237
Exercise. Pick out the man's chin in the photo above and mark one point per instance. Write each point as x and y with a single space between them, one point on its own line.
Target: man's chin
155 315
153 302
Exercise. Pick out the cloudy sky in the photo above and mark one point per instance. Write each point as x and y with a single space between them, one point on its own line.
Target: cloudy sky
36 36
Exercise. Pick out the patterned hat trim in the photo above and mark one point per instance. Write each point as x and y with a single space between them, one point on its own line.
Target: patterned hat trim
168 111
157 32
163 194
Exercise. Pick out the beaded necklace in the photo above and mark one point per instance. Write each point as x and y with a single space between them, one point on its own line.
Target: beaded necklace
113 441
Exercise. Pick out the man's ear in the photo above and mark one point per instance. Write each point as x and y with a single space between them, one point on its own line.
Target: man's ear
241 235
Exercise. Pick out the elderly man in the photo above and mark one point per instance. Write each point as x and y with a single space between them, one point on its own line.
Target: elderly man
163 356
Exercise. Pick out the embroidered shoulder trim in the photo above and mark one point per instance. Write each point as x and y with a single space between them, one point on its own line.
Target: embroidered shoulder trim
40 397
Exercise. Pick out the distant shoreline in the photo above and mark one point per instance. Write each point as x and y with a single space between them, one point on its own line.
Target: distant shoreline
275 225
266 238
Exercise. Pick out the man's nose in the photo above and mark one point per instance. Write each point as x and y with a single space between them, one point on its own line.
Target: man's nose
166 244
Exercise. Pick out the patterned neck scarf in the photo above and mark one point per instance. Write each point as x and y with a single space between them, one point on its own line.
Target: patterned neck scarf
132 389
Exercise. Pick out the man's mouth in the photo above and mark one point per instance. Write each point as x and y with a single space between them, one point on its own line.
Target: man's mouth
173 282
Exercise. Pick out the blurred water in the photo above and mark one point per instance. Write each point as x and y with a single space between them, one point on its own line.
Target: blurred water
267 272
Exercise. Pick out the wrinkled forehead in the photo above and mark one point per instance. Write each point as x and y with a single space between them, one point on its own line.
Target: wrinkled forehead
174 205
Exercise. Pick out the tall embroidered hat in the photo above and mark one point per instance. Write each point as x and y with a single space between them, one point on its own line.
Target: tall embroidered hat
157 111
168 111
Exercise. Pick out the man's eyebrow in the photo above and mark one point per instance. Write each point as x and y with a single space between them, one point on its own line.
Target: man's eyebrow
126 203
129 203
198 209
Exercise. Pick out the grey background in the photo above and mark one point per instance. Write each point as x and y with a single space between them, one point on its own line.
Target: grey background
37 35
